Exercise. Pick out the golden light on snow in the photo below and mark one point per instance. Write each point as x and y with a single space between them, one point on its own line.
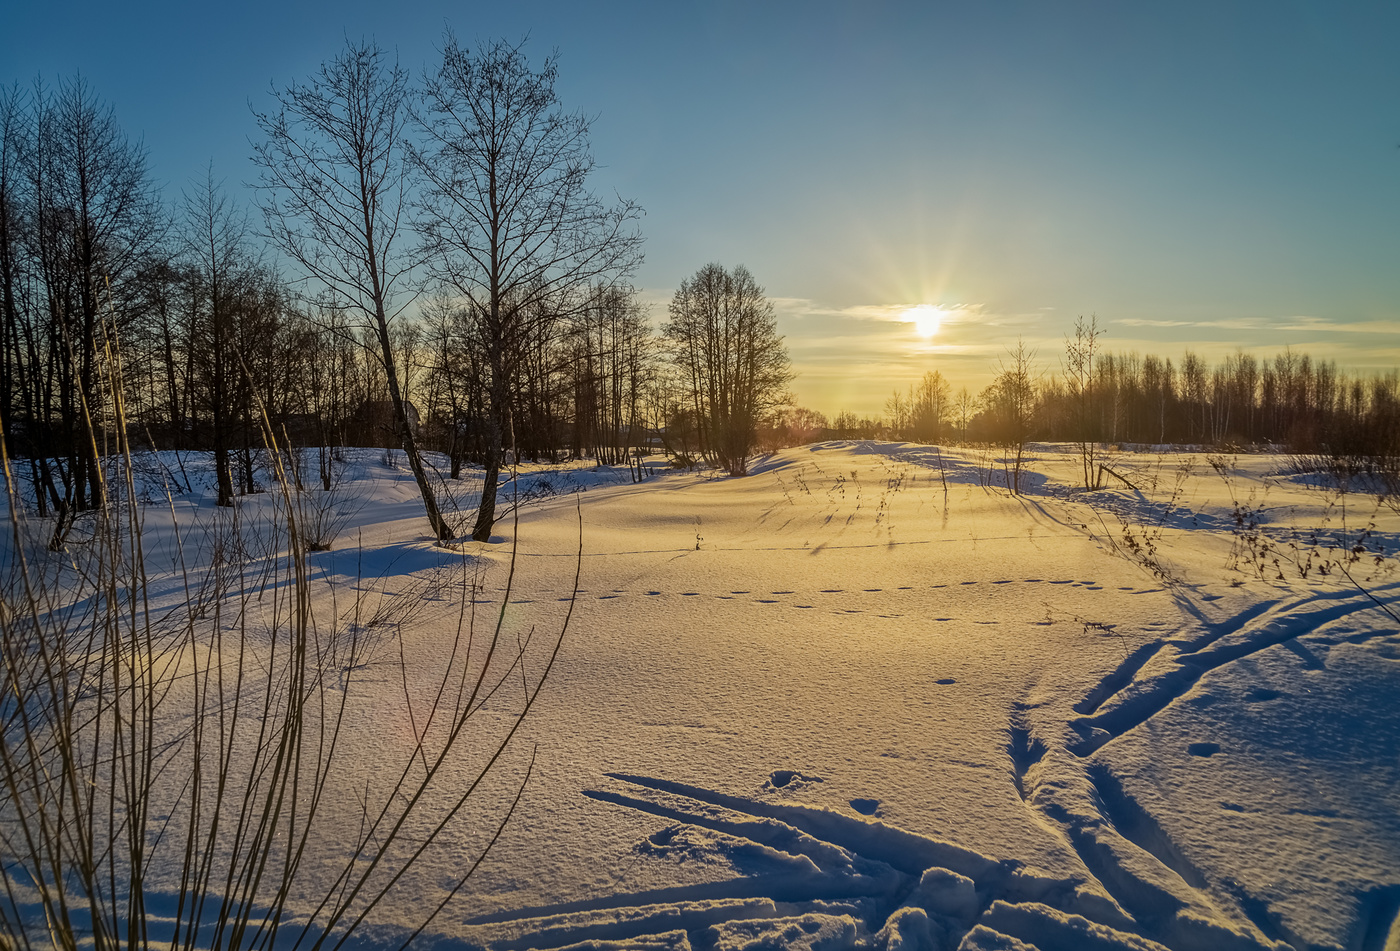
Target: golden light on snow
925 318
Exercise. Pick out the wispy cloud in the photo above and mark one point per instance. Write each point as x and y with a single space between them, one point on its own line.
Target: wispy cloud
799 308
1260 324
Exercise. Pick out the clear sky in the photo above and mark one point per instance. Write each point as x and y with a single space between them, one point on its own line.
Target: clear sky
1212 175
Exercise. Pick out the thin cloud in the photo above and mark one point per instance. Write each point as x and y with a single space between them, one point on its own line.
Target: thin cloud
878 313
1294 323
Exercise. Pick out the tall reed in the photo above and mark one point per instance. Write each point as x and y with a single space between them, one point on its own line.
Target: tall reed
174 767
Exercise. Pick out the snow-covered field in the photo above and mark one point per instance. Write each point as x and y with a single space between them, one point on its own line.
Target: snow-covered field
859 698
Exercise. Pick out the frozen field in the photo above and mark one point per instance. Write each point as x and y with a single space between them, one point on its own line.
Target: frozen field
858 698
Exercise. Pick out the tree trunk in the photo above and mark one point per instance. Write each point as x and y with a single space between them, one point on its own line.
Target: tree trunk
410 445
495 430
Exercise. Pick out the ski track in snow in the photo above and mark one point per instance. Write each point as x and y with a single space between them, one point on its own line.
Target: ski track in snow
1124 701
894 887
898 888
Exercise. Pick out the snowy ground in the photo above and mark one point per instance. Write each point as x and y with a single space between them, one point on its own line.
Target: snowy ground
861 698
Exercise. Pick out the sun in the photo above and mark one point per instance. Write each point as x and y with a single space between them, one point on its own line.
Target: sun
925 318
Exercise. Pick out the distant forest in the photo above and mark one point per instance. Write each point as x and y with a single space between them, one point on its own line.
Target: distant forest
177 322
1292 402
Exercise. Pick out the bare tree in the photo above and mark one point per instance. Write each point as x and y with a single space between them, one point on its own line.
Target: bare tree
13 121
507 218
334 188
730 357
84 214
216 242
920 413
1079 378
964 409
613 362
1011 403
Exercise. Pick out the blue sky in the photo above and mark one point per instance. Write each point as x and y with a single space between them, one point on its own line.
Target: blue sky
1210 175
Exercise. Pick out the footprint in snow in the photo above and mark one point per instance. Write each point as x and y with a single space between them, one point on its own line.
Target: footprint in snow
865 807
945 681
1203 749
783 778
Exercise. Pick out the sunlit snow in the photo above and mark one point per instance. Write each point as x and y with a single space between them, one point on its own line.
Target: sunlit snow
865 697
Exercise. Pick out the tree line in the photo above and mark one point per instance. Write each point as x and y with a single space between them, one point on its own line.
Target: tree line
425 266
1095 397
1291 401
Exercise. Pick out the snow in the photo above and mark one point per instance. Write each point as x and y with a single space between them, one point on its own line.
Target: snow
865 697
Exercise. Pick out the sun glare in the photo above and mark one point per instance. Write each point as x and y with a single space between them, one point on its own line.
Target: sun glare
925 318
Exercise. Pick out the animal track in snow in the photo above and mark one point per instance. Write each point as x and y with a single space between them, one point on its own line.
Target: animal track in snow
786 597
